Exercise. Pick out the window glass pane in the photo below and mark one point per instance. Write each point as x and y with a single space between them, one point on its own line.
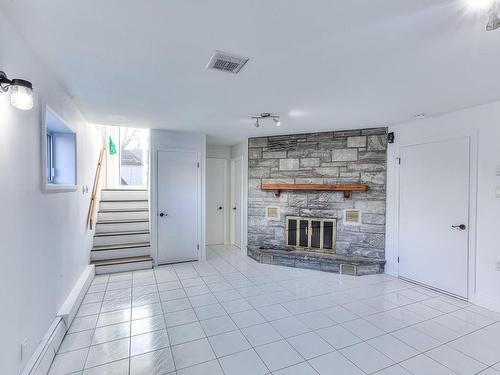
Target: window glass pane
134 145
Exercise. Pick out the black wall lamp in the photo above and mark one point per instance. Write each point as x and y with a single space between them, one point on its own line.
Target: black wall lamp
21 91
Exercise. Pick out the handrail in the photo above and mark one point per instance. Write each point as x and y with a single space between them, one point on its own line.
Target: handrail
93 201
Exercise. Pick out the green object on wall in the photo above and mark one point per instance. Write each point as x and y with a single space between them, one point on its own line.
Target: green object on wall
112 147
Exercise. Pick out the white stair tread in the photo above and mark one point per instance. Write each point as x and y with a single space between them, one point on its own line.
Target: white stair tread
104 210
124 189
123 221
121 246
108 234
123 200
111 262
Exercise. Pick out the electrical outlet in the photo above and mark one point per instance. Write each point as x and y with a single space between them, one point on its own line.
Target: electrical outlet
24 349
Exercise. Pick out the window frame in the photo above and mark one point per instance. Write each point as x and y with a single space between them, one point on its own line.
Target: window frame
49 165
48 187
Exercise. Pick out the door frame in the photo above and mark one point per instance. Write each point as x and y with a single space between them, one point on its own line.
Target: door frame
233 196
154 207
225 202
473 181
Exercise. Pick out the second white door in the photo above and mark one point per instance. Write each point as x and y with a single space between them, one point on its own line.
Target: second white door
216 192
178 197
434 214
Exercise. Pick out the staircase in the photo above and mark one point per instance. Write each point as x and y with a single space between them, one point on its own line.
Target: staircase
121 240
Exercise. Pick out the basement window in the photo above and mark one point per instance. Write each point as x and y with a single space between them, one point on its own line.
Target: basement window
59 154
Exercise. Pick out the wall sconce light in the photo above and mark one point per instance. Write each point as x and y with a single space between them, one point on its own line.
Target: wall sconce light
21 91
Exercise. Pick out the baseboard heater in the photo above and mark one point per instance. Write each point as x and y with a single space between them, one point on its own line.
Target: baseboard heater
41 360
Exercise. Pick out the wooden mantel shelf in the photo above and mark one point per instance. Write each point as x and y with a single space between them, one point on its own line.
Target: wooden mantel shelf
347 189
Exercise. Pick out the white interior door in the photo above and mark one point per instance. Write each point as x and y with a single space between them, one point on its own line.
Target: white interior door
178 197
434 200
216 192
236 202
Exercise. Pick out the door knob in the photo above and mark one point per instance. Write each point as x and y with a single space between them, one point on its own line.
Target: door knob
234 208
162 214
461 226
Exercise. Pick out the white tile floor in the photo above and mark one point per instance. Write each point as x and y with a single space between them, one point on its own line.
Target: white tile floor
233 316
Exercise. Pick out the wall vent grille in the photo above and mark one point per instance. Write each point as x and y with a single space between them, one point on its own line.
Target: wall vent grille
352 216
273 213
348 269
227 62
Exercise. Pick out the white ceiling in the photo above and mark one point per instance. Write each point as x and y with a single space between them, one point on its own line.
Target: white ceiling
321 64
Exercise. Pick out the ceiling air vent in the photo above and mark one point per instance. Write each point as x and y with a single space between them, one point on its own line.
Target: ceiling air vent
227 62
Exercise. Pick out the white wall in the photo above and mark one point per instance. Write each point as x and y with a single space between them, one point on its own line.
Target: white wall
223 152
165 139
483 121
218 152
44 238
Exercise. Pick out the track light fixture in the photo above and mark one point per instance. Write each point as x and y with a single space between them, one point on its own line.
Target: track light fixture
21 91
493 19
266 115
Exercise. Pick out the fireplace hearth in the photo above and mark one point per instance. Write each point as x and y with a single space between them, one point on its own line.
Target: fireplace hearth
328 262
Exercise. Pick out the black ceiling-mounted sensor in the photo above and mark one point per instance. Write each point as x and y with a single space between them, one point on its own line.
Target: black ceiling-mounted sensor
390 137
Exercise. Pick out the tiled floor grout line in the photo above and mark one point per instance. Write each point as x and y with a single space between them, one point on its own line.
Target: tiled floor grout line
366 341
95 327
206 337
130 326
165 321
337 323
237 329
385 333
297 315
282 339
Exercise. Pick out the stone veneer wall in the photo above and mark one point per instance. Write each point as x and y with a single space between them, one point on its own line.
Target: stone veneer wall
340 157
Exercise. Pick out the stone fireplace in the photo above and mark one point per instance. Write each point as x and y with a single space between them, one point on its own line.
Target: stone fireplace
354 223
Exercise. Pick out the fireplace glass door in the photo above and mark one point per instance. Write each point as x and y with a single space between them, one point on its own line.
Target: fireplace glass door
314 234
